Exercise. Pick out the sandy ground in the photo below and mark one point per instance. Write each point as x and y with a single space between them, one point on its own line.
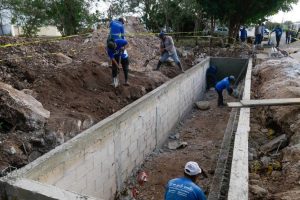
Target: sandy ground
203 131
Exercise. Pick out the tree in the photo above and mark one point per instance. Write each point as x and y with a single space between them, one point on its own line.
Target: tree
70 16
4 13
165 13
30 15
237 12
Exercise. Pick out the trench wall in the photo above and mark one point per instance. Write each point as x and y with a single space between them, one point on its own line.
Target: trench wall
230 66
98 161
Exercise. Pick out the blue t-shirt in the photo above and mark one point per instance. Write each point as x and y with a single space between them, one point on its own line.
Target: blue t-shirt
118 51
223 84
243 33
116 30
183 189
278 31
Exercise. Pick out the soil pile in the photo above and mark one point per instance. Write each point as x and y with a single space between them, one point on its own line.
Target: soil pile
275 132
71 78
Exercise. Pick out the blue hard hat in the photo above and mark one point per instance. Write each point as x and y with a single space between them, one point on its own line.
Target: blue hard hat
161 34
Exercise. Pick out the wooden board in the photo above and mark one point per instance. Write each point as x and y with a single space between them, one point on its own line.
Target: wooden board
264 102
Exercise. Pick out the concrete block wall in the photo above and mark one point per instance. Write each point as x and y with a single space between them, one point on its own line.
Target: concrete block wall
98 161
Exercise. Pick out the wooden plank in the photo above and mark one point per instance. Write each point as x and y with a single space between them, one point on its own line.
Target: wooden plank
264 102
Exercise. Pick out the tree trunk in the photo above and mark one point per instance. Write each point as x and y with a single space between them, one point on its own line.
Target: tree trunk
234 27
1 25
212 25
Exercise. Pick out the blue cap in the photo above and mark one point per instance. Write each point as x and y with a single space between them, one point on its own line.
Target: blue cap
161 34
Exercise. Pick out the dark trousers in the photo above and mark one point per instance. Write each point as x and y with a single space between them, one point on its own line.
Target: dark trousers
220 98
211 80
257 39
278 40
243 39
287 39
125 65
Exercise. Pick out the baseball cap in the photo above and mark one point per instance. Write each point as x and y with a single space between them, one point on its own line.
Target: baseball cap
161 34
192 168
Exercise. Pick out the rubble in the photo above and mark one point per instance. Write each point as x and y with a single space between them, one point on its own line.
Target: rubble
258 191
203 105
16 105
275 144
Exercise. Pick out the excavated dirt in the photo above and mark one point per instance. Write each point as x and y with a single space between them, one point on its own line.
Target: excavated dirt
203 131
275 174
71 78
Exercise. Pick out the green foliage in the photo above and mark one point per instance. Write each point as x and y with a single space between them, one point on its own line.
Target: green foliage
30 15
173 15
69 16
236 12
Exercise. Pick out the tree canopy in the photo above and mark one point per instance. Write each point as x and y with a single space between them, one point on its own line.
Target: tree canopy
237 12
69 16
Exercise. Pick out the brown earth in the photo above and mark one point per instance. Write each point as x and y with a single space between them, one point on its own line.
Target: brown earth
276 172
75 92
203 131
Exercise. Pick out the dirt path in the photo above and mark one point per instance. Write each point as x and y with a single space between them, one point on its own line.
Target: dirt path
203 131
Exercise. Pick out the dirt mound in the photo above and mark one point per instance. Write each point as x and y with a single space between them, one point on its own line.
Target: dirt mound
276 79
71 78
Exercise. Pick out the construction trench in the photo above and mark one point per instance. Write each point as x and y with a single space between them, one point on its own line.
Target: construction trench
96 163
104 161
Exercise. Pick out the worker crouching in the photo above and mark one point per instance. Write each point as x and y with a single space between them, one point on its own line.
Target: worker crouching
167 49
119 57
227 83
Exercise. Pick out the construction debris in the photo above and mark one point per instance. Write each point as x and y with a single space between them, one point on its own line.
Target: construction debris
203 105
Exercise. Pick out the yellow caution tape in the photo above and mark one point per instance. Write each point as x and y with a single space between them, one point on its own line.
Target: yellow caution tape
71 36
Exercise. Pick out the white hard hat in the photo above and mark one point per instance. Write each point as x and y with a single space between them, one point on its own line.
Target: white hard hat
192 168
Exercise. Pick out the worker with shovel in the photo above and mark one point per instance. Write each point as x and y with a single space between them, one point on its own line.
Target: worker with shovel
116 51
185 188
167 49
227 83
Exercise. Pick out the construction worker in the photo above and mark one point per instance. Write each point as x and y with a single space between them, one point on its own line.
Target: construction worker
211 76
243 34
116 51
116 30
185 188
288 34
226 83
167 49
278 33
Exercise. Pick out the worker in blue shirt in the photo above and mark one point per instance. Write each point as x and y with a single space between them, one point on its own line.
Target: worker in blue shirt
243 34
227 84
117 29
116 51
211 76
278 33
185 188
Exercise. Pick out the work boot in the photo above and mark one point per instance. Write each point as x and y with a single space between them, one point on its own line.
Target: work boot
126 83
116 82
158 65
180 66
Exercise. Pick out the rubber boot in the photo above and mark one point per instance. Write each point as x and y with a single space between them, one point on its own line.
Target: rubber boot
180 66
158 65
116 82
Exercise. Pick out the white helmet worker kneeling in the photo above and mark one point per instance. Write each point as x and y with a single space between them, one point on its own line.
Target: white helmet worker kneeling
185 188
